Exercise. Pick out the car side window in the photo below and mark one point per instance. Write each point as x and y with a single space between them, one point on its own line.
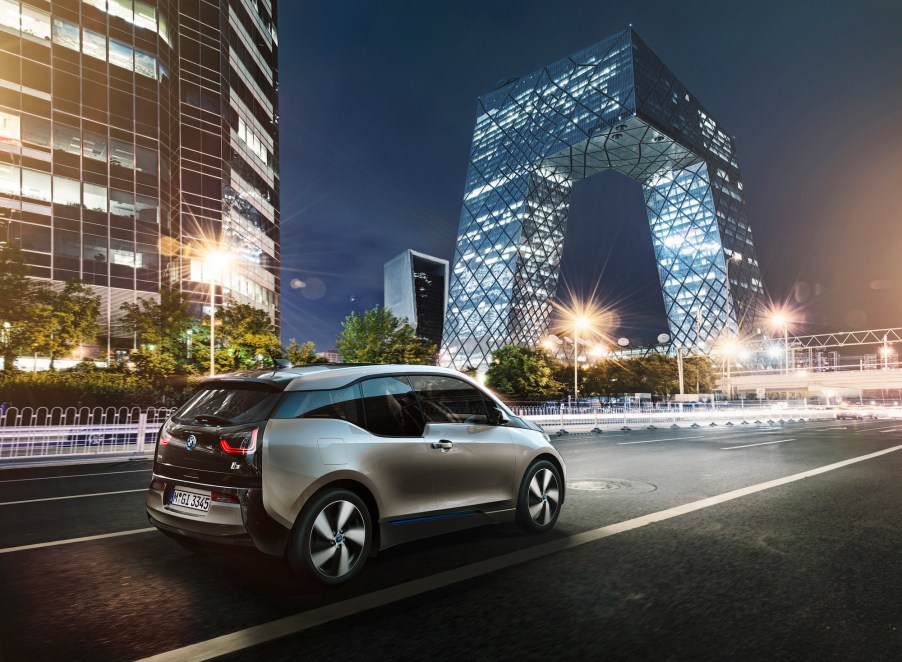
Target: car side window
391 407
450 400
342 404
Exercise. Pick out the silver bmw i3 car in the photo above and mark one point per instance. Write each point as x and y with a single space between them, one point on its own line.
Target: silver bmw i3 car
327 464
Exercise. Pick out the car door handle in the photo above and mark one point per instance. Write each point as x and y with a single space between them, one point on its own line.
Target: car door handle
444 444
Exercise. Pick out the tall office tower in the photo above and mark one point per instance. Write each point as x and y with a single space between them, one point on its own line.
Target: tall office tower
613 105
416 288
136 136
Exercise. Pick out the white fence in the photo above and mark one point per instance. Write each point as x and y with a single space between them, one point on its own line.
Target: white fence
78 432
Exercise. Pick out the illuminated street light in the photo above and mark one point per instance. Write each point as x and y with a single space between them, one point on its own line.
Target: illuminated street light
214 261
728 349
579 322
779 319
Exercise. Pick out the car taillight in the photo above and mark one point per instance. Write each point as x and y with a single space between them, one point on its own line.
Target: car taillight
221 497
247 444
158 485
165 437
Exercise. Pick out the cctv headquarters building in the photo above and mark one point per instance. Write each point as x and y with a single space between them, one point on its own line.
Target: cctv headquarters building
613 105
133 135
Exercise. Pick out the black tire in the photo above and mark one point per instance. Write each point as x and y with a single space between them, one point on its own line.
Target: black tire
539 500
321 547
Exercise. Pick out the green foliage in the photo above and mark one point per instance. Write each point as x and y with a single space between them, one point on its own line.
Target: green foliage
247 333
67 318
153 366
163 324
522 373
656 374
304 354
377 336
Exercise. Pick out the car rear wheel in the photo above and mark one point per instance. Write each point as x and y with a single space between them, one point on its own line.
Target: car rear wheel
332 538
539 501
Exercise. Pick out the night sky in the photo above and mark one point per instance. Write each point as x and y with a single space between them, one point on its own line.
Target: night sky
378 104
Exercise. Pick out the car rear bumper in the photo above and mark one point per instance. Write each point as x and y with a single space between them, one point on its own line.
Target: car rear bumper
244 523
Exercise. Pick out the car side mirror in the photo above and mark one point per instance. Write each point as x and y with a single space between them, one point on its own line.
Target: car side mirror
497 417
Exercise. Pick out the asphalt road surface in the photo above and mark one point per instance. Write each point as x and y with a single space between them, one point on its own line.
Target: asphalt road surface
752 543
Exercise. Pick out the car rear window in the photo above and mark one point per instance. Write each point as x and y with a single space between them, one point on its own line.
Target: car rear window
222 403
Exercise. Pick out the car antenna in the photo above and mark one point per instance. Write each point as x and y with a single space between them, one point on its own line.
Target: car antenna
279 363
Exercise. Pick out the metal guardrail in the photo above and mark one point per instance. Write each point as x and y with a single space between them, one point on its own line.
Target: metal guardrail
77 432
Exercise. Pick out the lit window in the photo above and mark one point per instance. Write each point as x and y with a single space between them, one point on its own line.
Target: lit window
36 185
65 34
9 14
10 128
145 15
66 191
100 4
9 180
95 197
121 55
93 44
35 22
122 9
164 30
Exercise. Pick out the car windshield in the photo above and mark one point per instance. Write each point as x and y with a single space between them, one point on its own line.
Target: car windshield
222 404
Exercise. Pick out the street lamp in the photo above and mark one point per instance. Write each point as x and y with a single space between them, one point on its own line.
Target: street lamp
579 322
190 334
779 319
727 350
214 261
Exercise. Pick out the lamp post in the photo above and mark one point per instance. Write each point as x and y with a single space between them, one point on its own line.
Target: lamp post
578 323
214 261
780 320
189 333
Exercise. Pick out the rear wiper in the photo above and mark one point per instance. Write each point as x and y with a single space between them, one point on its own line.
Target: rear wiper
212 419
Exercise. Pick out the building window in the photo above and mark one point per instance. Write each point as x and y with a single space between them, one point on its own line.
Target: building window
9 14
122 9
66 191
94 146
93 44
36 185
95 197
10 128
65 34
145 64
35 22
147 209
122 154
121 55
9 180
145 16
36 130
67 139
122 203
164 30
100 4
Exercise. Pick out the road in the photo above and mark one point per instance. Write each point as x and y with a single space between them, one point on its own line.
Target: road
672 544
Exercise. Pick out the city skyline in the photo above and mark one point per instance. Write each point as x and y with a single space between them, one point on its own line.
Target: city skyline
391 182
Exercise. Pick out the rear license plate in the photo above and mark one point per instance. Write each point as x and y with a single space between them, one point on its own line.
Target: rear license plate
199 501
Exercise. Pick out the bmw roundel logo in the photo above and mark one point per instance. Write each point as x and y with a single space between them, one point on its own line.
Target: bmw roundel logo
191 442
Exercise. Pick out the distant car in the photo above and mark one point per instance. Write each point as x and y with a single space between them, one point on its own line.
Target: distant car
324 464
855 415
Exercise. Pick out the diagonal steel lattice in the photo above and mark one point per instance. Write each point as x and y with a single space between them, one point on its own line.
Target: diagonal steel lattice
613 105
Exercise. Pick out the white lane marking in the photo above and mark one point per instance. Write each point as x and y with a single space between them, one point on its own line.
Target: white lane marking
103 473
73 496
70 541
763 443
888 430
259 634
651 441
891 427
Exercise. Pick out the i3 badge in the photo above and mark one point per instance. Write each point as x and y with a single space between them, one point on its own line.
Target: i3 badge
191 442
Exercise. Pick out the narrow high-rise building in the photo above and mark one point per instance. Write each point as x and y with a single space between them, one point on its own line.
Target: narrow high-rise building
137 137
416 289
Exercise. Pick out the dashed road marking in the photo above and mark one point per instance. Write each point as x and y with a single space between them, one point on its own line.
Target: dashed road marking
70 541
72 496
763 443
103 473
651 441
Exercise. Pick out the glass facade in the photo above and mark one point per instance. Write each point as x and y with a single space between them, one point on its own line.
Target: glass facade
131 133
615 106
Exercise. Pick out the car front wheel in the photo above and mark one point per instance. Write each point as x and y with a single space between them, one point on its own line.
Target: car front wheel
332 538
539 500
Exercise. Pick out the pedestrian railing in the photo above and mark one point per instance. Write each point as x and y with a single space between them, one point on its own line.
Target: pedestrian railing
76 432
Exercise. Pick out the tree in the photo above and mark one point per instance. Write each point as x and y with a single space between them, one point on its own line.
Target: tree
153 365
247 333
163 324
17 297
520 372
62 320
304 354
377 336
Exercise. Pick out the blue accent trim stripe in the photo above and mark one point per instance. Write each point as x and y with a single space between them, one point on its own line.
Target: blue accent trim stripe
428 517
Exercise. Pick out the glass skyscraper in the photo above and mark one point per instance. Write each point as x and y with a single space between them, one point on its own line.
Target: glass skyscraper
613 105
133 133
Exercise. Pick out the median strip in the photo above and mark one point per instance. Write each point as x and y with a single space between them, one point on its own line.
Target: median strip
266 632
